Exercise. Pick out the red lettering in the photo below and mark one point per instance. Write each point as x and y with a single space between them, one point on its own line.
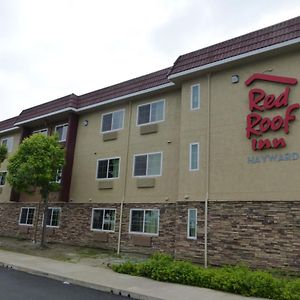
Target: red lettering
269 102
279 143
253 119
256 96
277 123
265 124
262 144
283 99
289 117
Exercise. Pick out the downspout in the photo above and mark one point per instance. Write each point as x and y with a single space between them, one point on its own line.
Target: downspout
207 170
125 179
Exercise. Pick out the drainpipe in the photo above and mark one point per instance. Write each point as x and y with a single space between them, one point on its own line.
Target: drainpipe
125 179
207 170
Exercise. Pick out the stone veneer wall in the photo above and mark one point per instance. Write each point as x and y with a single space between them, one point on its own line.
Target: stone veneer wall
261 234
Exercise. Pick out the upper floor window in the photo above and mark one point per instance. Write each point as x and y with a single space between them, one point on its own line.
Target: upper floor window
103 219
195 96
2 178
112 121
9 143
108 168
148 164
151 112
53 216
194 157
62 131
43 131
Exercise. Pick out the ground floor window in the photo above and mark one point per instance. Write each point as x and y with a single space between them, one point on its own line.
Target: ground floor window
103 219
2 178
192 224
144 221
53 216
26 216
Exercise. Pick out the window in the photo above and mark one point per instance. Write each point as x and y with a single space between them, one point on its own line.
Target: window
149 164
53 216
195 96
3 178
26 216
58 176
144 221
112 121
192 224
9 143
151 112
62 131
108 168
194 157
103 219
41 131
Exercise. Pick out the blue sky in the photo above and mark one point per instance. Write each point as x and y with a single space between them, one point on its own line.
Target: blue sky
52 48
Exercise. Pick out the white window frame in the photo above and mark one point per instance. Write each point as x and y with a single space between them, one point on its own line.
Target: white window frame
3 171
62 125
144 233
112 112
149 153
22 224
40 131
188 224
198 158
154 122
113 178
199 97
51 226
104 209
10 143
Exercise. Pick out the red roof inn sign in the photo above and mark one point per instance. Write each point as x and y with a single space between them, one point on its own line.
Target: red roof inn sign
260 102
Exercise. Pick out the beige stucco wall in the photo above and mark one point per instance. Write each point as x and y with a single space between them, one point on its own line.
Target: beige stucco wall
231 176
6 189
90 147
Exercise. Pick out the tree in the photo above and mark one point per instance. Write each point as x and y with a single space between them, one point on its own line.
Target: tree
35 165
3 153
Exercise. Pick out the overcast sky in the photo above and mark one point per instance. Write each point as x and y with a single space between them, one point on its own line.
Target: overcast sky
51 48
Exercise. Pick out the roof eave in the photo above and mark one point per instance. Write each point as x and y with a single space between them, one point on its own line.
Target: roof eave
182 74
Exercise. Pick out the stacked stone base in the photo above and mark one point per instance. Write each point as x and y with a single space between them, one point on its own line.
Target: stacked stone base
259 234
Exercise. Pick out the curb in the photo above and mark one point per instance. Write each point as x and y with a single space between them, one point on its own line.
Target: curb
99 287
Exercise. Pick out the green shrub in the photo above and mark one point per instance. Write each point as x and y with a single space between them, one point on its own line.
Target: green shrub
239 280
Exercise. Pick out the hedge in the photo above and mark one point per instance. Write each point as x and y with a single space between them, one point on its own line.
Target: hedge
238 279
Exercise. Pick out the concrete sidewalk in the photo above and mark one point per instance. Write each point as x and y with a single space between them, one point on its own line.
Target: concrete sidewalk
107 280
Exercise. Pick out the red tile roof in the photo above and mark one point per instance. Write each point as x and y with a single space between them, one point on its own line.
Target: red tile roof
256 40
66 102
7 124
138 84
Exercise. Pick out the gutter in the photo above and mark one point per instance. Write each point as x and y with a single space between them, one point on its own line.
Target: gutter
9 129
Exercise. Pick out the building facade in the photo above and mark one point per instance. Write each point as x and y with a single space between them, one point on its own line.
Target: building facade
200 160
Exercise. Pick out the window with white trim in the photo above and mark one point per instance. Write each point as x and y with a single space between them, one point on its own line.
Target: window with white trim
2 178
194 157
58 176
192 224
112 121
144 221
151 112
108 168
53 216
62 131
43 131
9 143
148 164
26 216
195 96
103 219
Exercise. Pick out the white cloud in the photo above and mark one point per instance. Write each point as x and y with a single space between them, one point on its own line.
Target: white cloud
52 48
